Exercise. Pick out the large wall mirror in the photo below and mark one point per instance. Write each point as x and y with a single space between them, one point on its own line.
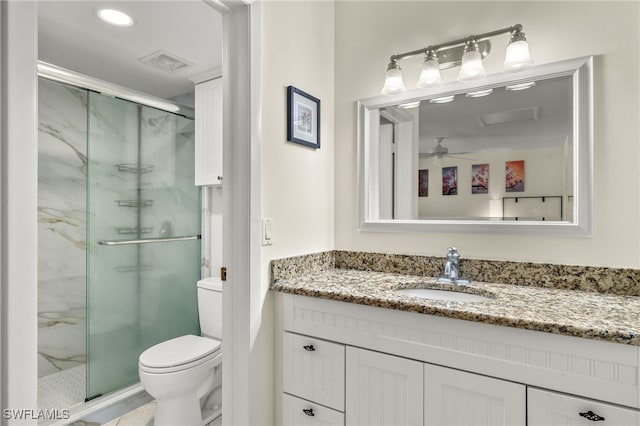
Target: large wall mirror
511 153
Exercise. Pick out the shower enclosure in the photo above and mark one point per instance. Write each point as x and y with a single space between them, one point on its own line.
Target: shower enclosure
119 250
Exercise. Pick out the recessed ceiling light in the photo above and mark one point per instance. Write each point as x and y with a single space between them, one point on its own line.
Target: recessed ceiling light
115 17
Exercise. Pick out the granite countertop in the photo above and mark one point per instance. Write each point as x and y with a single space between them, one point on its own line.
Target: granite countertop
614 318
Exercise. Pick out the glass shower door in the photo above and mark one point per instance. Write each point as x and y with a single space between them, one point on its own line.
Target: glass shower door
143 255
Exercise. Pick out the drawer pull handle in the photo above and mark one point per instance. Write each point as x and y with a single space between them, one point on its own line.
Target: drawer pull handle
590 415
309 348
308 411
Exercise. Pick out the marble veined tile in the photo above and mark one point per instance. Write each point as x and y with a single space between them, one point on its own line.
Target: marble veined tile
61 336
62 168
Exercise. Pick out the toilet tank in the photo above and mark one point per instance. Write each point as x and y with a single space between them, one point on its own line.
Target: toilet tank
210 307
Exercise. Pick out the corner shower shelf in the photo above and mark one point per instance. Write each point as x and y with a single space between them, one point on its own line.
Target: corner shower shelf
134 268
135 168
135 203
133 230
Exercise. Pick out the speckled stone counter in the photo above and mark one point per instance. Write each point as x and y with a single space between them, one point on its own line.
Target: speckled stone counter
586 314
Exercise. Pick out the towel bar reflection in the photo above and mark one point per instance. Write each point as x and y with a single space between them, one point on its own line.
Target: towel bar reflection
148 240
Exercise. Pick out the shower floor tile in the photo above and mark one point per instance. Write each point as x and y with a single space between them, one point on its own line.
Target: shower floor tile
63 389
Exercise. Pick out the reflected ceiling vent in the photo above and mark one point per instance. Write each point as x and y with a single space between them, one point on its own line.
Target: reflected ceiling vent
166 61
509 116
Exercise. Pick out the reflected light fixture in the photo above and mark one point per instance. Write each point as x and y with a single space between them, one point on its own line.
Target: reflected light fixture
393 81
466 52
115 17
479 93
520 86
442 100
471 68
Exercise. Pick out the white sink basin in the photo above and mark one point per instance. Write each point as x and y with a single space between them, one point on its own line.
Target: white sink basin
446 295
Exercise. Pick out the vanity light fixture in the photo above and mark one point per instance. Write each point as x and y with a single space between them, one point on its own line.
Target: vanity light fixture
115 17
430 74
466 52
471 68
393 83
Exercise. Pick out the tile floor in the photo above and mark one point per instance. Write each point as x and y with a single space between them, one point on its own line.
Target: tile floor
141 416
63 389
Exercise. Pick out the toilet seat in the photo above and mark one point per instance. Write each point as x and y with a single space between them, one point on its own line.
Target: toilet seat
179 354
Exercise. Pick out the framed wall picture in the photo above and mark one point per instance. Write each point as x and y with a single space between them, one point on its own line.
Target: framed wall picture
514 176
480 179
450 180
303 118
423 183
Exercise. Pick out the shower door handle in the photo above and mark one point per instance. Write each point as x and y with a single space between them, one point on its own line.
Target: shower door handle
148 240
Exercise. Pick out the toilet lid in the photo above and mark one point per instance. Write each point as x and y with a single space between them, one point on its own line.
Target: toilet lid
178 351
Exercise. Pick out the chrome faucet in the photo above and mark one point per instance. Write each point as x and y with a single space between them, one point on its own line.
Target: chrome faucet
451 273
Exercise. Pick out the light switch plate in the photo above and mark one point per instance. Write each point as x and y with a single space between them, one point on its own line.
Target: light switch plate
267 232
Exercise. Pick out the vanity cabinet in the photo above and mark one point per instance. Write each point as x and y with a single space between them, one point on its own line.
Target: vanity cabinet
314 370
454 397
383 389
300 412
551 408
208 132
382 366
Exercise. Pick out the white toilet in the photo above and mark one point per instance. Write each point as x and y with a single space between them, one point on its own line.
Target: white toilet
184 374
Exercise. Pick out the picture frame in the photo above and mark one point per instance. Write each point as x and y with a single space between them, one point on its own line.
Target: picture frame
423 183
514 176
303 118
480 178
450 180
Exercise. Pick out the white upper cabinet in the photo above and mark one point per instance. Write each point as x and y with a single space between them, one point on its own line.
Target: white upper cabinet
208 128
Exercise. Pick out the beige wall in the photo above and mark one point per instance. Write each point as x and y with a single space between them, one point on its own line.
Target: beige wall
368 32
297 181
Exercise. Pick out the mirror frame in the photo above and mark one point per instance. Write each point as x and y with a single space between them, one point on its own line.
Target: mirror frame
581 70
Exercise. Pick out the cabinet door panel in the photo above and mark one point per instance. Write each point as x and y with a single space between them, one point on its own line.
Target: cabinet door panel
459 398
299 412
314 370
549 408
382 389
208 132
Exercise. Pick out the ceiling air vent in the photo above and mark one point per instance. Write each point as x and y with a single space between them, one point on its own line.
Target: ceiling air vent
509 116
166 61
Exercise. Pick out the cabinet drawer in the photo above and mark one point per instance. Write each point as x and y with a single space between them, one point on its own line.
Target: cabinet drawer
314 370
298 412
549 408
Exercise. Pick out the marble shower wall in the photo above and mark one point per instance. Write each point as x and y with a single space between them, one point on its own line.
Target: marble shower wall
62 167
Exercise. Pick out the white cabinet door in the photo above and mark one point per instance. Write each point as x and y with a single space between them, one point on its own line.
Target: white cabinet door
453 397
208 132
550 408
313 370
382 389
299 412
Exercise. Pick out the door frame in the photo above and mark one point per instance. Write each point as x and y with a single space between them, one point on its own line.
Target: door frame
18 203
